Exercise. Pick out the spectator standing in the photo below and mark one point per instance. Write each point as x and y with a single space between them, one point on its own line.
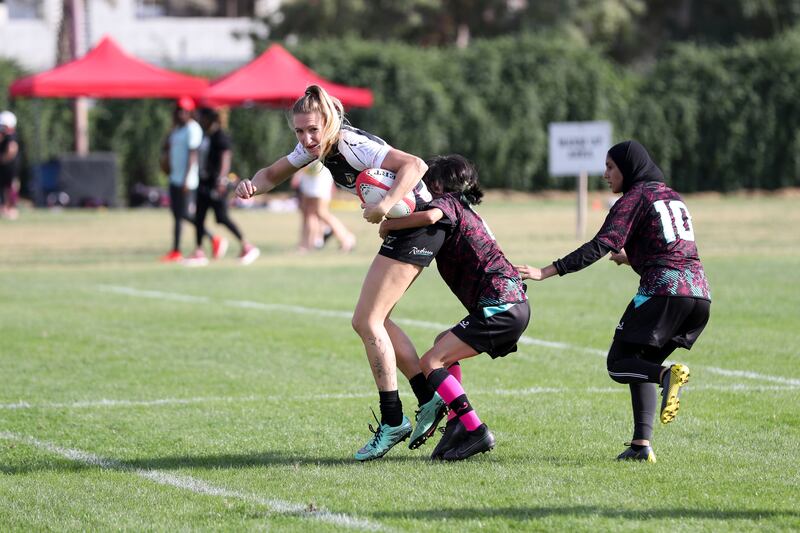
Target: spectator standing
9 164
215 155
182 147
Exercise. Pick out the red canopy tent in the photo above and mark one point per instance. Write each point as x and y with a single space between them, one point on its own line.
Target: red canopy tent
276 77
107 71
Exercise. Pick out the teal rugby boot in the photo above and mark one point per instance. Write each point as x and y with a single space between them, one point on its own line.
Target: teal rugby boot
384 438
427 419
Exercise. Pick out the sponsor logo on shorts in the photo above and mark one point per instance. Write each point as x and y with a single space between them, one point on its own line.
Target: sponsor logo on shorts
420 251
387 241
620 326
464 324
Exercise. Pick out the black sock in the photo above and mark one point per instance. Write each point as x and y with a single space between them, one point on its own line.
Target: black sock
421 389
437 377
644 400
391 408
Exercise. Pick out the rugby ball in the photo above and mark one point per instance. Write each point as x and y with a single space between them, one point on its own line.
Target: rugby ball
372 185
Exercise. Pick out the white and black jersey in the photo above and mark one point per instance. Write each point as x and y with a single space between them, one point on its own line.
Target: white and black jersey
356 150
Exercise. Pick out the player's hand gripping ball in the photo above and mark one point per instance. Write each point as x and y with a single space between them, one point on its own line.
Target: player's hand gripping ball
373 184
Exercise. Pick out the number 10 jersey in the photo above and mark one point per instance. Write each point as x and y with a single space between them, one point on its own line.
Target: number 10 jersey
654 226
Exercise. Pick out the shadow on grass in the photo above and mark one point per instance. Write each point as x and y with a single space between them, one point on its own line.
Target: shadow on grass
210 462
276 458
521 514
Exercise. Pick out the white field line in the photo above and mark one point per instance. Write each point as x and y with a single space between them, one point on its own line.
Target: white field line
156 295
751 375
197 486
532 391
400 321
105 402
416 323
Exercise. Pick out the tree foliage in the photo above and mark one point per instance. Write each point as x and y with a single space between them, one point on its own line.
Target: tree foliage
727 117
630 31
427 22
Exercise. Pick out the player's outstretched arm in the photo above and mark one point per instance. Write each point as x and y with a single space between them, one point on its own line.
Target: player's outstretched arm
418 219
536 274
266 179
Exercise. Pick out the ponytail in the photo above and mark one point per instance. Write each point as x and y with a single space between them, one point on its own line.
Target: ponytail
454 174
317 100
472 195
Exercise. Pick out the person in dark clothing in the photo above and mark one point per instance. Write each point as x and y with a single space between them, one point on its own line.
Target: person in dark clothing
179 161
215 154
474 267
9 165
650 229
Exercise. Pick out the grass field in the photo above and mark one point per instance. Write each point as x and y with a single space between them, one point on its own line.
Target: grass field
144 396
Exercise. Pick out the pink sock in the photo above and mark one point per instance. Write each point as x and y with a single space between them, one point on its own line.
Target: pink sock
449 390
470 420
455 371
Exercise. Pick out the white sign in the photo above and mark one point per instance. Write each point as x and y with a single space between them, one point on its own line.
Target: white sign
577 147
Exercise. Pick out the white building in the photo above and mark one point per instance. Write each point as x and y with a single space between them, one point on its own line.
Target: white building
208 34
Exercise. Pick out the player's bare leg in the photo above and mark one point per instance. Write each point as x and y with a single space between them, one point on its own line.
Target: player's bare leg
431 408
384 285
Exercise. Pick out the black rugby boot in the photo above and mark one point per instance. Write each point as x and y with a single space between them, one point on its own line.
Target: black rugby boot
453 432
645 453
481 440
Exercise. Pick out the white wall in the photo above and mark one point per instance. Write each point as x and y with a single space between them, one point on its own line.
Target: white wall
209 43
30 41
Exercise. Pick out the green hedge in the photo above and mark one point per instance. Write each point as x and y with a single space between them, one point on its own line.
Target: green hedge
725 118
491 102
714 118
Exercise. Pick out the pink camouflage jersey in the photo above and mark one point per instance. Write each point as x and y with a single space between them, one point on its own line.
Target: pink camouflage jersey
654 226
470 260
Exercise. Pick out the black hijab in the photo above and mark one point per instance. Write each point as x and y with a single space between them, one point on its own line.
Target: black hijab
635 164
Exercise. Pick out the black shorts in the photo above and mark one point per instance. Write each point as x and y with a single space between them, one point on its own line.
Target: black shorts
661 319
417 246
6 177
496 335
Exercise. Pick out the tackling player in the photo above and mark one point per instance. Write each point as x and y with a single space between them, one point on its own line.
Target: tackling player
650 229
484 281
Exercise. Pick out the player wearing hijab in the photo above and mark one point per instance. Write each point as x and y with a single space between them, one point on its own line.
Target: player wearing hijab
650 229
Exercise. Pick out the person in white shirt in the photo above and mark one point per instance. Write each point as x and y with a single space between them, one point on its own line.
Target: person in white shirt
323 135
181 150
314 185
